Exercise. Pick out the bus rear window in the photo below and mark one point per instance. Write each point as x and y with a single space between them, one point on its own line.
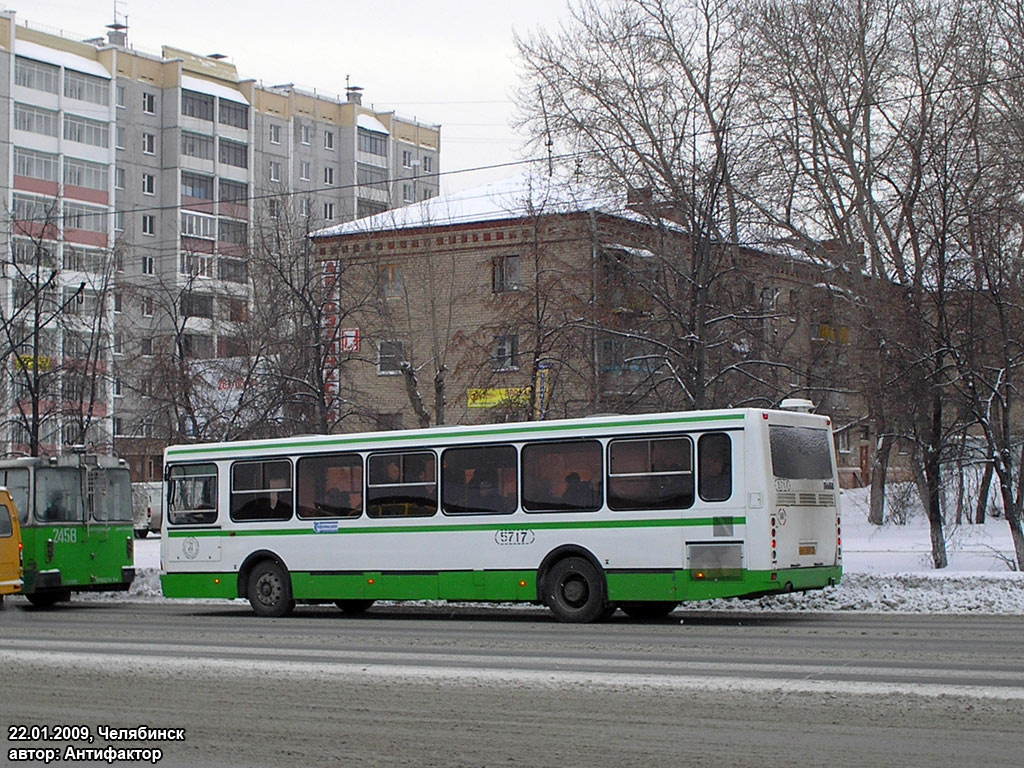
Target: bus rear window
800 453
192 494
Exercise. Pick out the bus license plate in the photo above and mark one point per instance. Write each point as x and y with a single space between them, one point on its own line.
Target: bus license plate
807 549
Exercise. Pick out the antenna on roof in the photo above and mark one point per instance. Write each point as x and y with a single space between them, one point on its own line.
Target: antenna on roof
117 31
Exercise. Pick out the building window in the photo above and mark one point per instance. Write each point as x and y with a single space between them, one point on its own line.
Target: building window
147 306
304 207
197 145
328 176
197 105
305 134
85 217
275 170
82 87
149 103
197 305
119 138
390 356
35 120
374 143
148 184
843 441
428 164
234 192
118 343
119 221
428 193
146 347
275 133
406 158
197 225
35 165
408 193
35 75
82 173
119 178
148 224
366 208
505 273
118 301
375 178
304 170
235 115
196 185
506 353
329 211
273 208
148 144
86 131
236 232
234 153
391 284
328 139
119 95
148 265
118 389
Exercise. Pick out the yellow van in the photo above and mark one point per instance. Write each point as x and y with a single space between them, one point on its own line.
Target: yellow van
10 547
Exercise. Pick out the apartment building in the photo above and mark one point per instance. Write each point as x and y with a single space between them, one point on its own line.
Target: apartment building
134 184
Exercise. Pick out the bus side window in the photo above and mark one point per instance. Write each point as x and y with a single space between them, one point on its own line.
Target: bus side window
562 477
261 490
6 526
650 473
714 455
192 494
402 484
330 486
479 481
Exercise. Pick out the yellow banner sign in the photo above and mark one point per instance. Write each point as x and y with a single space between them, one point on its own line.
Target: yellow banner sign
40 363
493 398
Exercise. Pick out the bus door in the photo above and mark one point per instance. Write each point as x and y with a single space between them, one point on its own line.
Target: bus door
721 494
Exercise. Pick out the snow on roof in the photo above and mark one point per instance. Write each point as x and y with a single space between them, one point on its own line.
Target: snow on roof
60 58
212 89
515 197
371 123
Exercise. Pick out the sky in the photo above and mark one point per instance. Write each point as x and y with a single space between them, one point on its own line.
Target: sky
446 61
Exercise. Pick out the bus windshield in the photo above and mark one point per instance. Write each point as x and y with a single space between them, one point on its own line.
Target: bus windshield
800 453
59 497
112 495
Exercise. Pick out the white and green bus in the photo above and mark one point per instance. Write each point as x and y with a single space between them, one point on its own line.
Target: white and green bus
581 515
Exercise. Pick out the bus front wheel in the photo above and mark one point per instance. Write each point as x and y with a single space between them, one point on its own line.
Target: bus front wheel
574 590
270 590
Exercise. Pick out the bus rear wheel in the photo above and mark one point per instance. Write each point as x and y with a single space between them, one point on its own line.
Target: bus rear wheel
270 590
574 590
354 606
656 609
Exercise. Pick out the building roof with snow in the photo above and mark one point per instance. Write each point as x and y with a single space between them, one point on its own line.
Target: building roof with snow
515 197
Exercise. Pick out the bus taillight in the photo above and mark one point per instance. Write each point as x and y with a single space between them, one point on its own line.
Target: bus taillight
21 554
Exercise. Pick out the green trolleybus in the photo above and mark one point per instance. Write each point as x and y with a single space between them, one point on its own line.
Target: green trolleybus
582 515
76 524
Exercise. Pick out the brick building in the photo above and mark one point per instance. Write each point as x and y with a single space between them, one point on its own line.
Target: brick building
526 299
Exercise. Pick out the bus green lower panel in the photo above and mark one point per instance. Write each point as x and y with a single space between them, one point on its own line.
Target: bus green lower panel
681 585
200 584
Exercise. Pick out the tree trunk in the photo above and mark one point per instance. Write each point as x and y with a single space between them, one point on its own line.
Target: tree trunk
933 477
983 491
879 469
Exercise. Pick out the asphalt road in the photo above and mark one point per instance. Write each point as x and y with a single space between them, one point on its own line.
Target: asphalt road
418 686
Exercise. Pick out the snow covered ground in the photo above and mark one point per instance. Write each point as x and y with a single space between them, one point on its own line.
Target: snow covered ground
885 569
